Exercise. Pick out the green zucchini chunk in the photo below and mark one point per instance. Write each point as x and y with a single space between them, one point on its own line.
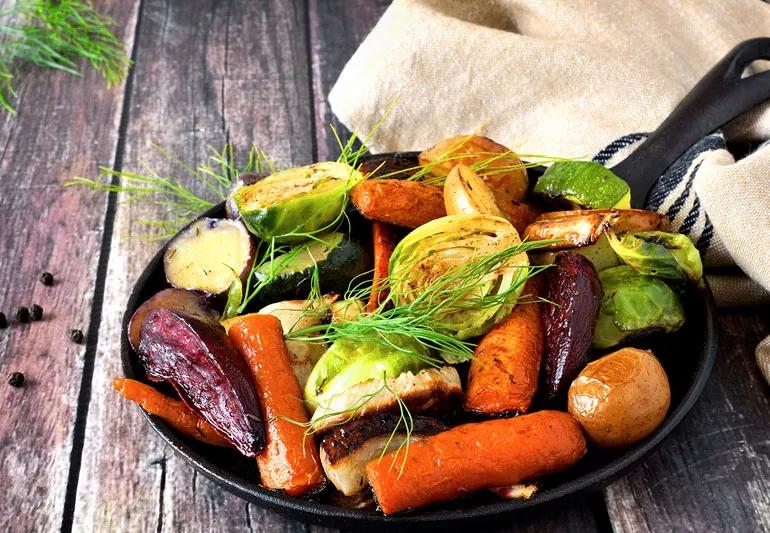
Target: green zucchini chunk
338 258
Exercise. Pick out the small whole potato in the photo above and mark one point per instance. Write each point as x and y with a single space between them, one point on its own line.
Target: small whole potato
505 174
620 398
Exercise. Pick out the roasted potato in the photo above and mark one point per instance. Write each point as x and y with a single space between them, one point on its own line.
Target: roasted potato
620 398
504 173
208 254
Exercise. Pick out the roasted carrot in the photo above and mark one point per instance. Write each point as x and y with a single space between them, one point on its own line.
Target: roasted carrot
290 460
384 241
503 376
520 214
174 412
471 457
400 202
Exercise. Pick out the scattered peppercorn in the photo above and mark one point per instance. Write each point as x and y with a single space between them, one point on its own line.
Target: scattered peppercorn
22 314
3 321
15 379
46 278
76 335
36 312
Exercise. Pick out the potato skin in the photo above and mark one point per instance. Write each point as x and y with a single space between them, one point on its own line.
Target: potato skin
508 187
620 398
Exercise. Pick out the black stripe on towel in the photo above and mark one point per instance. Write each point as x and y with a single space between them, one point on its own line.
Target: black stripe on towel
692 216
615 146
705 238
679 202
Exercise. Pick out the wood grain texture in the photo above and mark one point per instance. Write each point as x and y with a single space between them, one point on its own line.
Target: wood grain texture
713 473
206 72
47 228
337 27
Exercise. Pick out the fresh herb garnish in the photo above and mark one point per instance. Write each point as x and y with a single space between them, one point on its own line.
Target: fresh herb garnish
55 34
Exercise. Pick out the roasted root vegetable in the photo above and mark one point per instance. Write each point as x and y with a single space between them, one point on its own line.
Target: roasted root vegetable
503 375
207 255
172 411
204 367
571 229
384 240
295 314
289 204
499 167
476 456
520 214
398 202
290 460
191 303
575 295
466 193
431 390
390 167
348 448
448 243
620 398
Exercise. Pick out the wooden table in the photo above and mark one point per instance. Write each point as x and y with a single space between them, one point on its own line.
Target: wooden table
77 457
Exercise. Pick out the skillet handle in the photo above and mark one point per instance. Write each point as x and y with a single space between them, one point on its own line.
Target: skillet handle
717 99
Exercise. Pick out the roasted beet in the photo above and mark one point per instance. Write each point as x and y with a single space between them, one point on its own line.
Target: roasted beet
576 294
198 359
189 302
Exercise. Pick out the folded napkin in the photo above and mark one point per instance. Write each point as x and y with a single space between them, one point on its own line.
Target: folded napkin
567 77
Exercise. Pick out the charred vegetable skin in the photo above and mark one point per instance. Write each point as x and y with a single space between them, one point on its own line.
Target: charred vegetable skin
348 448
201 363
471 457
189 302
575 295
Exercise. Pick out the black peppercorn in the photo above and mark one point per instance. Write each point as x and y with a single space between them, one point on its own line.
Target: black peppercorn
15 379
76 335
22 314
36 312
3 321
46 278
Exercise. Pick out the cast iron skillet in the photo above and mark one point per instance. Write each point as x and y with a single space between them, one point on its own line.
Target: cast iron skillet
688 355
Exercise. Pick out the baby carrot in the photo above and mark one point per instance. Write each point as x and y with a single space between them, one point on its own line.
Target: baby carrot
174 412
384 241
290 460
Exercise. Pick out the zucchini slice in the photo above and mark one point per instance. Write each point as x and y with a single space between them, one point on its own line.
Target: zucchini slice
339 260
297 200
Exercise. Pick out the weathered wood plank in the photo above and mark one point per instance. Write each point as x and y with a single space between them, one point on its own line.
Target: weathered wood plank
57 133
206 72
337 27
713 473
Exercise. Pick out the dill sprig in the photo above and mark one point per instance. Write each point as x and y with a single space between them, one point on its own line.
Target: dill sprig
55 34
172 193
454 290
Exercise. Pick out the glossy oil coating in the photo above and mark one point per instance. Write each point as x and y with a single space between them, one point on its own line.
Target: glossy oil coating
290 460
202 364
471 457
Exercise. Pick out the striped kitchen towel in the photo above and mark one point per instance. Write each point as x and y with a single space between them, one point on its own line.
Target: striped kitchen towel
722 205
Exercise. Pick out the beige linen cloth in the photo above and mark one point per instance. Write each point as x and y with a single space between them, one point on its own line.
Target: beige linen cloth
565 78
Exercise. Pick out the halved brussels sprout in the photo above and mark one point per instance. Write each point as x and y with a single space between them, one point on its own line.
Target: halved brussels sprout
660 254
296 200
634 305
449 243
347 363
